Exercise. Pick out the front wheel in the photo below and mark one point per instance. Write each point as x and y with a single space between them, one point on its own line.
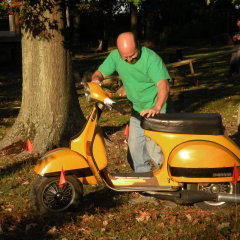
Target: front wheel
47 196
217 188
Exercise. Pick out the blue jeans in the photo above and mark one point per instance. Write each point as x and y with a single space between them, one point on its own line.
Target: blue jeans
141 148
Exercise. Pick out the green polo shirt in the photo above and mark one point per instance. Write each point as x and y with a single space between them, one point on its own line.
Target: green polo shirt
139 79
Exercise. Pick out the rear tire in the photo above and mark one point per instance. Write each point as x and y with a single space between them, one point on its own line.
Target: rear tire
217 188
47 196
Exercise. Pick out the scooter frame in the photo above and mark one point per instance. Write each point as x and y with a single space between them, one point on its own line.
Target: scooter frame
87 158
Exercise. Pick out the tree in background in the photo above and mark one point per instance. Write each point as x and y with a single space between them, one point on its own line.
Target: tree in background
168 21
50 111
99 15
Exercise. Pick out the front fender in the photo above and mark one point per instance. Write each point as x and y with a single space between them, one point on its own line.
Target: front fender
73 163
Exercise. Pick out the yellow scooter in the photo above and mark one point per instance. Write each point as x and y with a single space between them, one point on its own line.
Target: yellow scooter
199 161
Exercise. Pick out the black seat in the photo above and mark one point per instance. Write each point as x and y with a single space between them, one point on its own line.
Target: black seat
187 123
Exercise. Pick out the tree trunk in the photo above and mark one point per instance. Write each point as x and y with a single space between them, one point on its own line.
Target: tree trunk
134 18
17 25
149 26
11 23
50 111
75 33
150 8
238 119
105 32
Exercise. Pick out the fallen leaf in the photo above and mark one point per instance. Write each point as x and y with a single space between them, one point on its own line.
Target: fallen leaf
173 219
105 223
189 217
223 225
161 225
52 230
8 209
144 216
87 218
84 230
195 221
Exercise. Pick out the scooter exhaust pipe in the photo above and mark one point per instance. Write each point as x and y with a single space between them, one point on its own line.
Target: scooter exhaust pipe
186 196
199 196
190 196
225 197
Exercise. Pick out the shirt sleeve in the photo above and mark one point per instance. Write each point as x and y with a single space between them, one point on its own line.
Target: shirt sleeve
157 69
108 66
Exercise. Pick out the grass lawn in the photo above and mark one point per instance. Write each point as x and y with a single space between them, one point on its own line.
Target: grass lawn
105 214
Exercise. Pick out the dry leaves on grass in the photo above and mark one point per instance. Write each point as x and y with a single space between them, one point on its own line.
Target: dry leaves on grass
143 216
15 148
87 218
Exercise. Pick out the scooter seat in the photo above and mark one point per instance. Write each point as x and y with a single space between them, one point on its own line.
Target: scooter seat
185 123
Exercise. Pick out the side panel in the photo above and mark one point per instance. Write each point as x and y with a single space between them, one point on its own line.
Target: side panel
71 162
99 151
202 161
81 146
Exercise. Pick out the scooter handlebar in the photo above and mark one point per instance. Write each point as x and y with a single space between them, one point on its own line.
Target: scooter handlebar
110 103
118 108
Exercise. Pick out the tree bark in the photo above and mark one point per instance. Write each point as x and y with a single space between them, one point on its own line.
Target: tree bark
50 111
238 119
150 11
11 23
134 19
149 26
105 32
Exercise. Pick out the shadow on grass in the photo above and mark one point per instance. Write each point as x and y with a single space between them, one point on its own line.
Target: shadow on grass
30 225
8 112
236 137
16 166
193 100
109 130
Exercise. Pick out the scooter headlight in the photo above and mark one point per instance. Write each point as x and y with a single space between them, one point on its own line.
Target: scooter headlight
87 93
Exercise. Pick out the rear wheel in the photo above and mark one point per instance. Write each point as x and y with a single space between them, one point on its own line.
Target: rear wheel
217 188
47 196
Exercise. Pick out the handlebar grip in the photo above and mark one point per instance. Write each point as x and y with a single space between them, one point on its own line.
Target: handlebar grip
117 108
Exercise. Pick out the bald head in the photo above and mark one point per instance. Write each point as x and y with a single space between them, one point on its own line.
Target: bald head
127 46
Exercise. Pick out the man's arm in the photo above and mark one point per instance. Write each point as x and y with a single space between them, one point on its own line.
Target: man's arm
97 77
163 91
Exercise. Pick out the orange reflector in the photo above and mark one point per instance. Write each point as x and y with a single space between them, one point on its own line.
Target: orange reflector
88 148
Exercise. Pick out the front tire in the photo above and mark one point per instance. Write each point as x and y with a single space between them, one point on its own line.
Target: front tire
217 188
47 196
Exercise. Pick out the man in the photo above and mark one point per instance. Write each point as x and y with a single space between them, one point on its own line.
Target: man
145 80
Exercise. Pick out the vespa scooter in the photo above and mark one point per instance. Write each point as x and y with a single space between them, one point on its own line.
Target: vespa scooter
197 168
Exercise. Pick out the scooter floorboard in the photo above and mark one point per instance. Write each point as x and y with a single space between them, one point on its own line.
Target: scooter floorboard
133 175
145 188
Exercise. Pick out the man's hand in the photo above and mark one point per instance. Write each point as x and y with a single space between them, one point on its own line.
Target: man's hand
151 112
96 80
97 77
121 92
163 90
